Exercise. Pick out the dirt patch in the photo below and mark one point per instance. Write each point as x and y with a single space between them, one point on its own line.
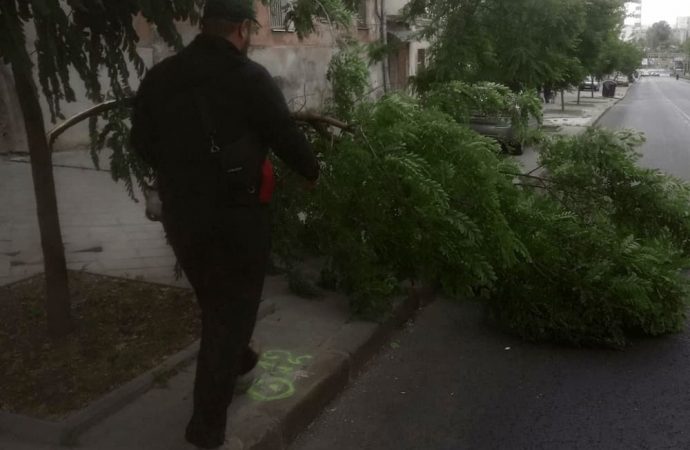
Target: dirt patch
123 328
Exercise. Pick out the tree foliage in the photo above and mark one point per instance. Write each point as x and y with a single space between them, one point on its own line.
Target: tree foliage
519 43
349 78
603 20
462 101
628 57
590 255
607 240
410 195
92 38
659 35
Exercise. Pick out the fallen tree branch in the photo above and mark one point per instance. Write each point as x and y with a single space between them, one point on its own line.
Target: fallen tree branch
315 120
526 175
91 112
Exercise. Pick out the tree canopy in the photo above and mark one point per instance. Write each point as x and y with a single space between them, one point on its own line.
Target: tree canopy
520 43
659 35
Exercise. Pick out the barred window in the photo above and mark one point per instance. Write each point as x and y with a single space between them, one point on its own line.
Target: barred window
421 59
362 14
278 10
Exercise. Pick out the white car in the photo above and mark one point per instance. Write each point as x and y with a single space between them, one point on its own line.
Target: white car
589 84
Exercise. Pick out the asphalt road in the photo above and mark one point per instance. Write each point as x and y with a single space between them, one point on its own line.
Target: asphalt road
450 381
660 107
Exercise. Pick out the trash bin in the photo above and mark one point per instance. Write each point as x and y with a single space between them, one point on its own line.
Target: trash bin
608 89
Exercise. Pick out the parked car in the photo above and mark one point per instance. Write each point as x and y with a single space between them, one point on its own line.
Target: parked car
501 129
589 84
622 81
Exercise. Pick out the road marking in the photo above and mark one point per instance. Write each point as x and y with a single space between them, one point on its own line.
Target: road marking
682 113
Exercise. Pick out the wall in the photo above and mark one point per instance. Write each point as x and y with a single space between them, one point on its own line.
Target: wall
299 68
394 7
12 134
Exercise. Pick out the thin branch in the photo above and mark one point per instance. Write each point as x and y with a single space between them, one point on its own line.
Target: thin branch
540 166
538 186
307 117
312 117
330 23
91 112
366 139
526 175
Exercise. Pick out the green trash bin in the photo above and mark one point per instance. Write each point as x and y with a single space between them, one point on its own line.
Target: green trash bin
608 89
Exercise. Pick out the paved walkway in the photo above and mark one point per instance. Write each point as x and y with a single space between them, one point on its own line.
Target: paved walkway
574 120
582 115
103 229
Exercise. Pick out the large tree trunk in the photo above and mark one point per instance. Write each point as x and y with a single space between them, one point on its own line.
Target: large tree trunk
563 100
57 289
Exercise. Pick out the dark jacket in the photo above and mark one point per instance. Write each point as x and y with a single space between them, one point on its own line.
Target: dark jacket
169 134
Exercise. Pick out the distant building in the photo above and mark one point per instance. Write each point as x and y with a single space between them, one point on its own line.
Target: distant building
682 30
632 28
409 50
633 12
680 35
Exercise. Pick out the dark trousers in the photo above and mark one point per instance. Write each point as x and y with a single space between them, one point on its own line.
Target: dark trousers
225 261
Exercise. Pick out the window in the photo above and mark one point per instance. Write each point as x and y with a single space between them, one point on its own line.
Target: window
362 14
278 9
421 59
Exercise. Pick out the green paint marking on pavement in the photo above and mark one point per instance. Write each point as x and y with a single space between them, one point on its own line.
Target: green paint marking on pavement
281 369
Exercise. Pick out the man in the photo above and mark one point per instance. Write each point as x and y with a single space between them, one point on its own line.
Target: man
204 119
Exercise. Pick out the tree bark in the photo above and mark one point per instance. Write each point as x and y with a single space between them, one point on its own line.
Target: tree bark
563 101
57 289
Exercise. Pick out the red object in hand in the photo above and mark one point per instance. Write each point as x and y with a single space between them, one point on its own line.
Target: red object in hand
268 182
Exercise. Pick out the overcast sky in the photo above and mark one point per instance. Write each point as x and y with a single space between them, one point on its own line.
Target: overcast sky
668 10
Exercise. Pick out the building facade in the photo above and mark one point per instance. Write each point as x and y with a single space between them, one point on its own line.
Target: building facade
410 51
299 68
632 28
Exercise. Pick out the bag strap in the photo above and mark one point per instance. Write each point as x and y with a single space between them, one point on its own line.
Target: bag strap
206 119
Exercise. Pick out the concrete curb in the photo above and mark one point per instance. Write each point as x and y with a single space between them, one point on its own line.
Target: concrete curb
66 431
596 122
275 425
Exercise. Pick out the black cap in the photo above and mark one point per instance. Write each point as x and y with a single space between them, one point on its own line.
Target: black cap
234 10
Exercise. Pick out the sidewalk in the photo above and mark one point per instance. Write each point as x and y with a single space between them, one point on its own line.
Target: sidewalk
104 231
312 348
574 120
